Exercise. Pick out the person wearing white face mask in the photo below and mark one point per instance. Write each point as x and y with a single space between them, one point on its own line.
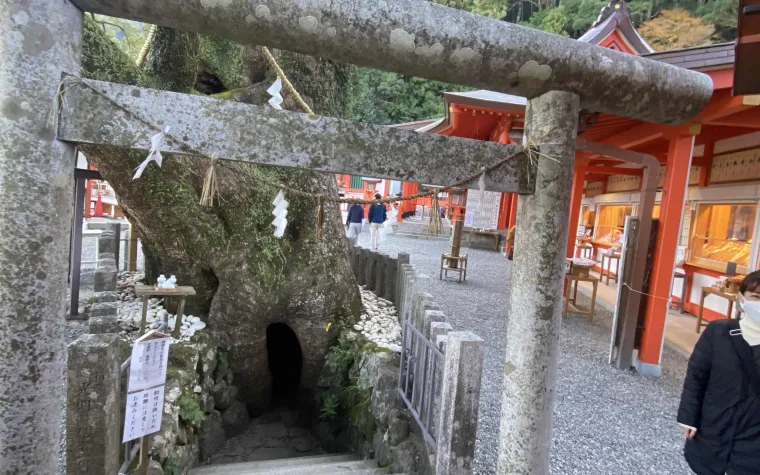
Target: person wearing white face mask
720 404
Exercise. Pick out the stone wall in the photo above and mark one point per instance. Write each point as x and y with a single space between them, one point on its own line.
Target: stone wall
359 398
201 409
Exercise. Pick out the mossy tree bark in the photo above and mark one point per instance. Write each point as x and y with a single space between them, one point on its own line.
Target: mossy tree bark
245 277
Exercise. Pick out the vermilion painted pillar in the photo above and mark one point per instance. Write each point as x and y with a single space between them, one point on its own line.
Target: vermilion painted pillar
504 207
575 206
513 211
673 196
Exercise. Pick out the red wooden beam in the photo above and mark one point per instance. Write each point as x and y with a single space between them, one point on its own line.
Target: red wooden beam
747 119
615 171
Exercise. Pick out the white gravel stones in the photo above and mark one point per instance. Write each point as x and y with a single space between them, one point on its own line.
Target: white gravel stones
130 311
379 324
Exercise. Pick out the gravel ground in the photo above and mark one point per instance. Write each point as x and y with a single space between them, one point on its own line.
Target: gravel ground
606 421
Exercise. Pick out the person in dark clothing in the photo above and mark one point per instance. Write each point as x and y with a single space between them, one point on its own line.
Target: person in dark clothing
720 403
376 215
354 222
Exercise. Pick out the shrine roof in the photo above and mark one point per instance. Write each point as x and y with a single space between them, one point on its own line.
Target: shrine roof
698 57
619 20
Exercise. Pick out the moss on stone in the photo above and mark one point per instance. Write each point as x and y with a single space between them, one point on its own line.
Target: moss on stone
103 60
223 58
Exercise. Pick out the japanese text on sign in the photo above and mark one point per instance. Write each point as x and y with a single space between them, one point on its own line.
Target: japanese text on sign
148 365
144 411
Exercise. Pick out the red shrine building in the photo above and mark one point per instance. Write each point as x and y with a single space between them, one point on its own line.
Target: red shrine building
708 186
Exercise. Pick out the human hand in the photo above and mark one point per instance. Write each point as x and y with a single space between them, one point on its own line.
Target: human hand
688 432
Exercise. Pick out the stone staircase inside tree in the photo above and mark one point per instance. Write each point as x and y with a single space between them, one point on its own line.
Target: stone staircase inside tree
343 464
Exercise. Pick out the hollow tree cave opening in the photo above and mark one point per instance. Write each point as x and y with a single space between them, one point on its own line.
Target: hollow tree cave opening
285 364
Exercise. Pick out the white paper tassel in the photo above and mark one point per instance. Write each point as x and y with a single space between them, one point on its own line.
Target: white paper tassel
156 142
274 91
280 213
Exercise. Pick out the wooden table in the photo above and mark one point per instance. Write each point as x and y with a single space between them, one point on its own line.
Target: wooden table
145 292
732 298
572 289
493 234
610 258
460 268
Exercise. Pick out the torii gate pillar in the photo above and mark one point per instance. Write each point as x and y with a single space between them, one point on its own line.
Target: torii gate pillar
39 39
535 304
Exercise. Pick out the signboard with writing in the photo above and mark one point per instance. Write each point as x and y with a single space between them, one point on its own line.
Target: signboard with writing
148 364
485 214
145 390
144 411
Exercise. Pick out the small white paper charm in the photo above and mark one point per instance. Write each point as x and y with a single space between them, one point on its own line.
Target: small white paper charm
280 213
156 142
274 91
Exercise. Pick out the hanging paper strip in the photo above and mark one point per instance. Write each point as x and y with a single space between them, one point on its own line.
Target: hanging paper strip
156 142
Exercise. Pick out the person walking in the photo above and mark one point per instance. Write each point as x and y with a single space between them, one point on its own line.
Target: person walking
720 404
354 222
376 216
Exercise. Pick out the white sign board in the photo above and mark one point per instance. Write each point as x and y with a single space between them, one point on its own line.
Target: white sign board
469 218
485 213
148 364
144 412
145 391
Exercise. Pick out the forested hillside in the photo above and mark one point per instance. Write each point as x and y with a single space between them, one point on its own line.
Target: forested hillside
387 98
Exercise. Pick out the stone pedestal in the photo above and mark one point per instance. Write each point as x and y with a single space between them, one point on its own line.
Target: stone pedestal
93 405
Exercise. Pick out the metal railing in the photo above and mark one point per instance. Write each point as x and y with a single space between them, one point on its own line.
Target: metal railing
421 363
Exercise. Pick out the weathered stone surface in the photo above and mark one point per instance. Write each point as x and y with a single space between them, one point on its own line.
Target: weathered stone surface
103 324
38 40
381 448
324 144
187 456
535 312
235 419
398 430
460 398
224 395
210 435
105 309
422 39
93 405
384 395
103 297
105 279
370 366
406 457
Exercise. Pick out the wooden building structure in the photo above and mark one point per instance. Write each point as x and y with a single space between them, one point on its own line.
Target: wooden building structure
709 182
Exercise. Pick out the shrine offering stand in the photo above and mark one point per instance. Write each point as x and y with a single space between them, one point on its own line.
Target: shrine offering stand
145 292
731 297
610 258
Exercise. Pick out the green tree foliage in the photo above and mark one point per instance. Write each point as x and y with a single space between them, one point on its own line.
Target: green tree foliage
129 35
386 98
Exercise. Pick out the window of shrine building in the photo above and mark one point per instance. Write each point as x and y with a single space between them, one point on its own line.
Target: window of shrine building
610 223
721 234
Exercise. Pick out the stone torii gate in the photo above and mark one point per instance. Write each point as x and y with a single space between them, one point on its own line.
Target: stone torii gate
40 40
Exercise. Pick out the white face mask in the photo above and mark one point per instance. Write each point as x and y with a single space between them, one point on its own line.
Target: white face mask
752 309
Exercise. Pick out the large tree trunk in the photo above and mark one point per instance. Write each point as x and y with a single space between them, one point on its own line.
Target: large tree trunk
245 277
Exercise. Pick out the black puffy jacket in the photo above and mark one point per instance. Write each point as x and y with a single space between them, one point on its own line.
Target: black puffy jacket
721 398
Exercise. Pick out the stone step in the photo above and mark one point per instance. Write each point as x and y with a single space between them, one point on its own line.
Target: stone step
431 237
317 465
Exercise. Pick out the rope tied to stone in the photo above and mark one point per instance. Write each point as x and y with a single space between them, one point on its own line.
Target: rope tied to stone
285 81
145 50
531 151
